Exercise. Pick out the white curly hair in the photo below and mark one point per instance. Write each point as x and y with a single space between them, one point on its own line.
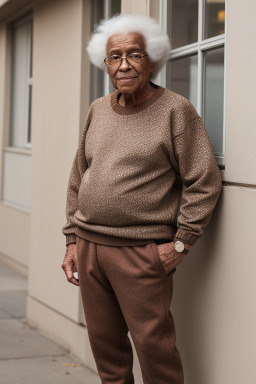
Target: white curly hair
156 40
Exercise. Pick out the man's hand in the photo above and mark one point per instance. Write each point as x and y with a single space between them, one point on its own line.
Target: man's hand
170 258
187 246
69 264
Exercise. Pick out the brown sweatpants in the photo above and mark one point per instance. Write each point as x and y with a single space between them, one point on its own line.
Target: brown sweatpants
126 288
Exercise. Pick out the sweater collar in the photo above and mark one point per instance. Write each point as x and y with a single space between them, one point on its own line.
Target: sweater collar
130 110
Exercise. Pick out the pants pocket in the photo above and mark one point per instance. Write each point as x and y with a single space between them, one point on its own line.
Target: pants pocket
166 258
160 261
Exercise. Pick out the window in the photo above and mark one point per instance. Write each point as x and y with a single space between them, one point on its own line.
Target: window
21 84
16 175
196 64
100 82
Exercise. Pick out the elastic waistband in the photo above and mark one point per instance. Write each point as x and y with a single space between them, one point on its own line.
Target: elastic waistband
103 239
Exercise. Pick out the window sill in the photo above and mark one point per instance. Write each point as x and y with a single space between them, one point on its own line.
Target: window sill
14 206
19 151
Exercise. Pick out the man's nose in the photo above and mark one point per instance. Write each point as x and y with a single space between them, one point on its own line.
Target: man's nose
124 66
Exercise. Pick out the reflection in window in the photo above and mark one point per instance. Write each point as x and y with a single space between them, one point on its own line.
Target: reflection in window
214 97
100 83
115 6
183 22
197 72
214 18
182 77
21 88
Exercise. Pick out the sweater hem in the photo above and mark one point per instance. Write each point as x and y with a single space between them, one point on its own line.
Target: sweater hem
101 238
70 239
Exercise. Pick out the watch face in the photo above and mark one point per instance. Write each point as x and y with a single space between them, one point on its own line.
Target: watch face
179 246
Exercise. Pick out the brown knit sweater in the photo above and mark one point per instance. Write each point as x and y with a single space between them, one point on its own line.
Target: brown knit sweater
127 177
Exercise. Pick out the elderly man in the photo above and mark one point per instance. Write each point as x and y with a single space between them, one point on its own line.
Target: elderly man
139 146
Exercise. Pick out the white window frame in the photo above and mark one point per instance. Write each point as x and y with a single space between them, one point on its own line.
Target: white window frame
107 82
100 84
17 161
26 144
198 48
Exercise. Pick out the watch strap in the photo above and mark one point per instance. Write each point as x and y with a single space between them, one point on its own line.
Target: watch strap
185 251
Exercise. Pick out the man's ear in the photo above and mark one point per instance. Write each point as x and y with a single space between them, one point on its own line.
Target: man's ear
153 66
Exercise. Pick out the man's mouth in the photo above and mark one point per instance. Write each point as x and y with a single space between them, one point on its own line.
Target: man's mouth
127 78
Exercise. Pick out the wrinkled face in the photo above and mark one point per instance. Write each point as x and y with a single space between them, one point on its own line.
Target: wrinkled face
128 79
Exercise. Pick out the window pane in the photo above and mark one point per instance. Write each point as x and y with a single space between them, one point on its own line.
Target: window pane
214 18
115 7
183 22
182 77
96 75
21 56
214 97
100 83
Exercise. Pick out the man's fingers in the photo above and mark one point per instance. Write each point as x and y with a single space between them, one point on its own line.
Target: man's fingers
69 264
71 278
74 281
68 269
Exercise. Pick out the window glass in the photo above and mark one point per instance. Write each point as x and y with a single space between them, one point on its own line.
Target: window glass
214 97
183 22
21 85
214 18
115 6
100 83
182 77
197 72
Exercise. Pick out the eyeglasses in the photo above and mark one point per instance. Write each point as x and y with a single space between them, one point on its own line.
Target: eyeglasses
114 61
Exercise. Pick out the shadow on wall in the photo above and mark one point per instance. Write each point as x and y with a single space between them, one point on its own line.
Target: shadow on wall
195 302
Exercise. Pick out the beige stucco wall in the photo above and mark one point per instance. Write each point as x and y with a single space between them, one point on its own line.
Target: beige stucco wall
214 301
56 129
241 98
135 7
214 296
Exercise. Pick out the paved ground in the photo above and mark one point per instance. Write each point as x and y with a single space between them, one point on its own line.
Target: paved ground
26 356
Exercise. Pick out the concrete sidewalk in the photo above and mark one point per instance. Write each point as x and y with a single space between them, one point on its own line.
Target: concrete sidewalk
26 356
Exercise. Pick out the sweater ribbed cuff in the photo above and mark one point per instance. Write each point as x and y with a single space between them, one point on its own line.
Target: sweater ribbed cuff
71 239
185 236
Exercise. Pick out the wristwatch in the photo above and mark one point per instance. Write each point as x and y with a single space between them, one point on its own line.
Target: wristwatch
179 246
